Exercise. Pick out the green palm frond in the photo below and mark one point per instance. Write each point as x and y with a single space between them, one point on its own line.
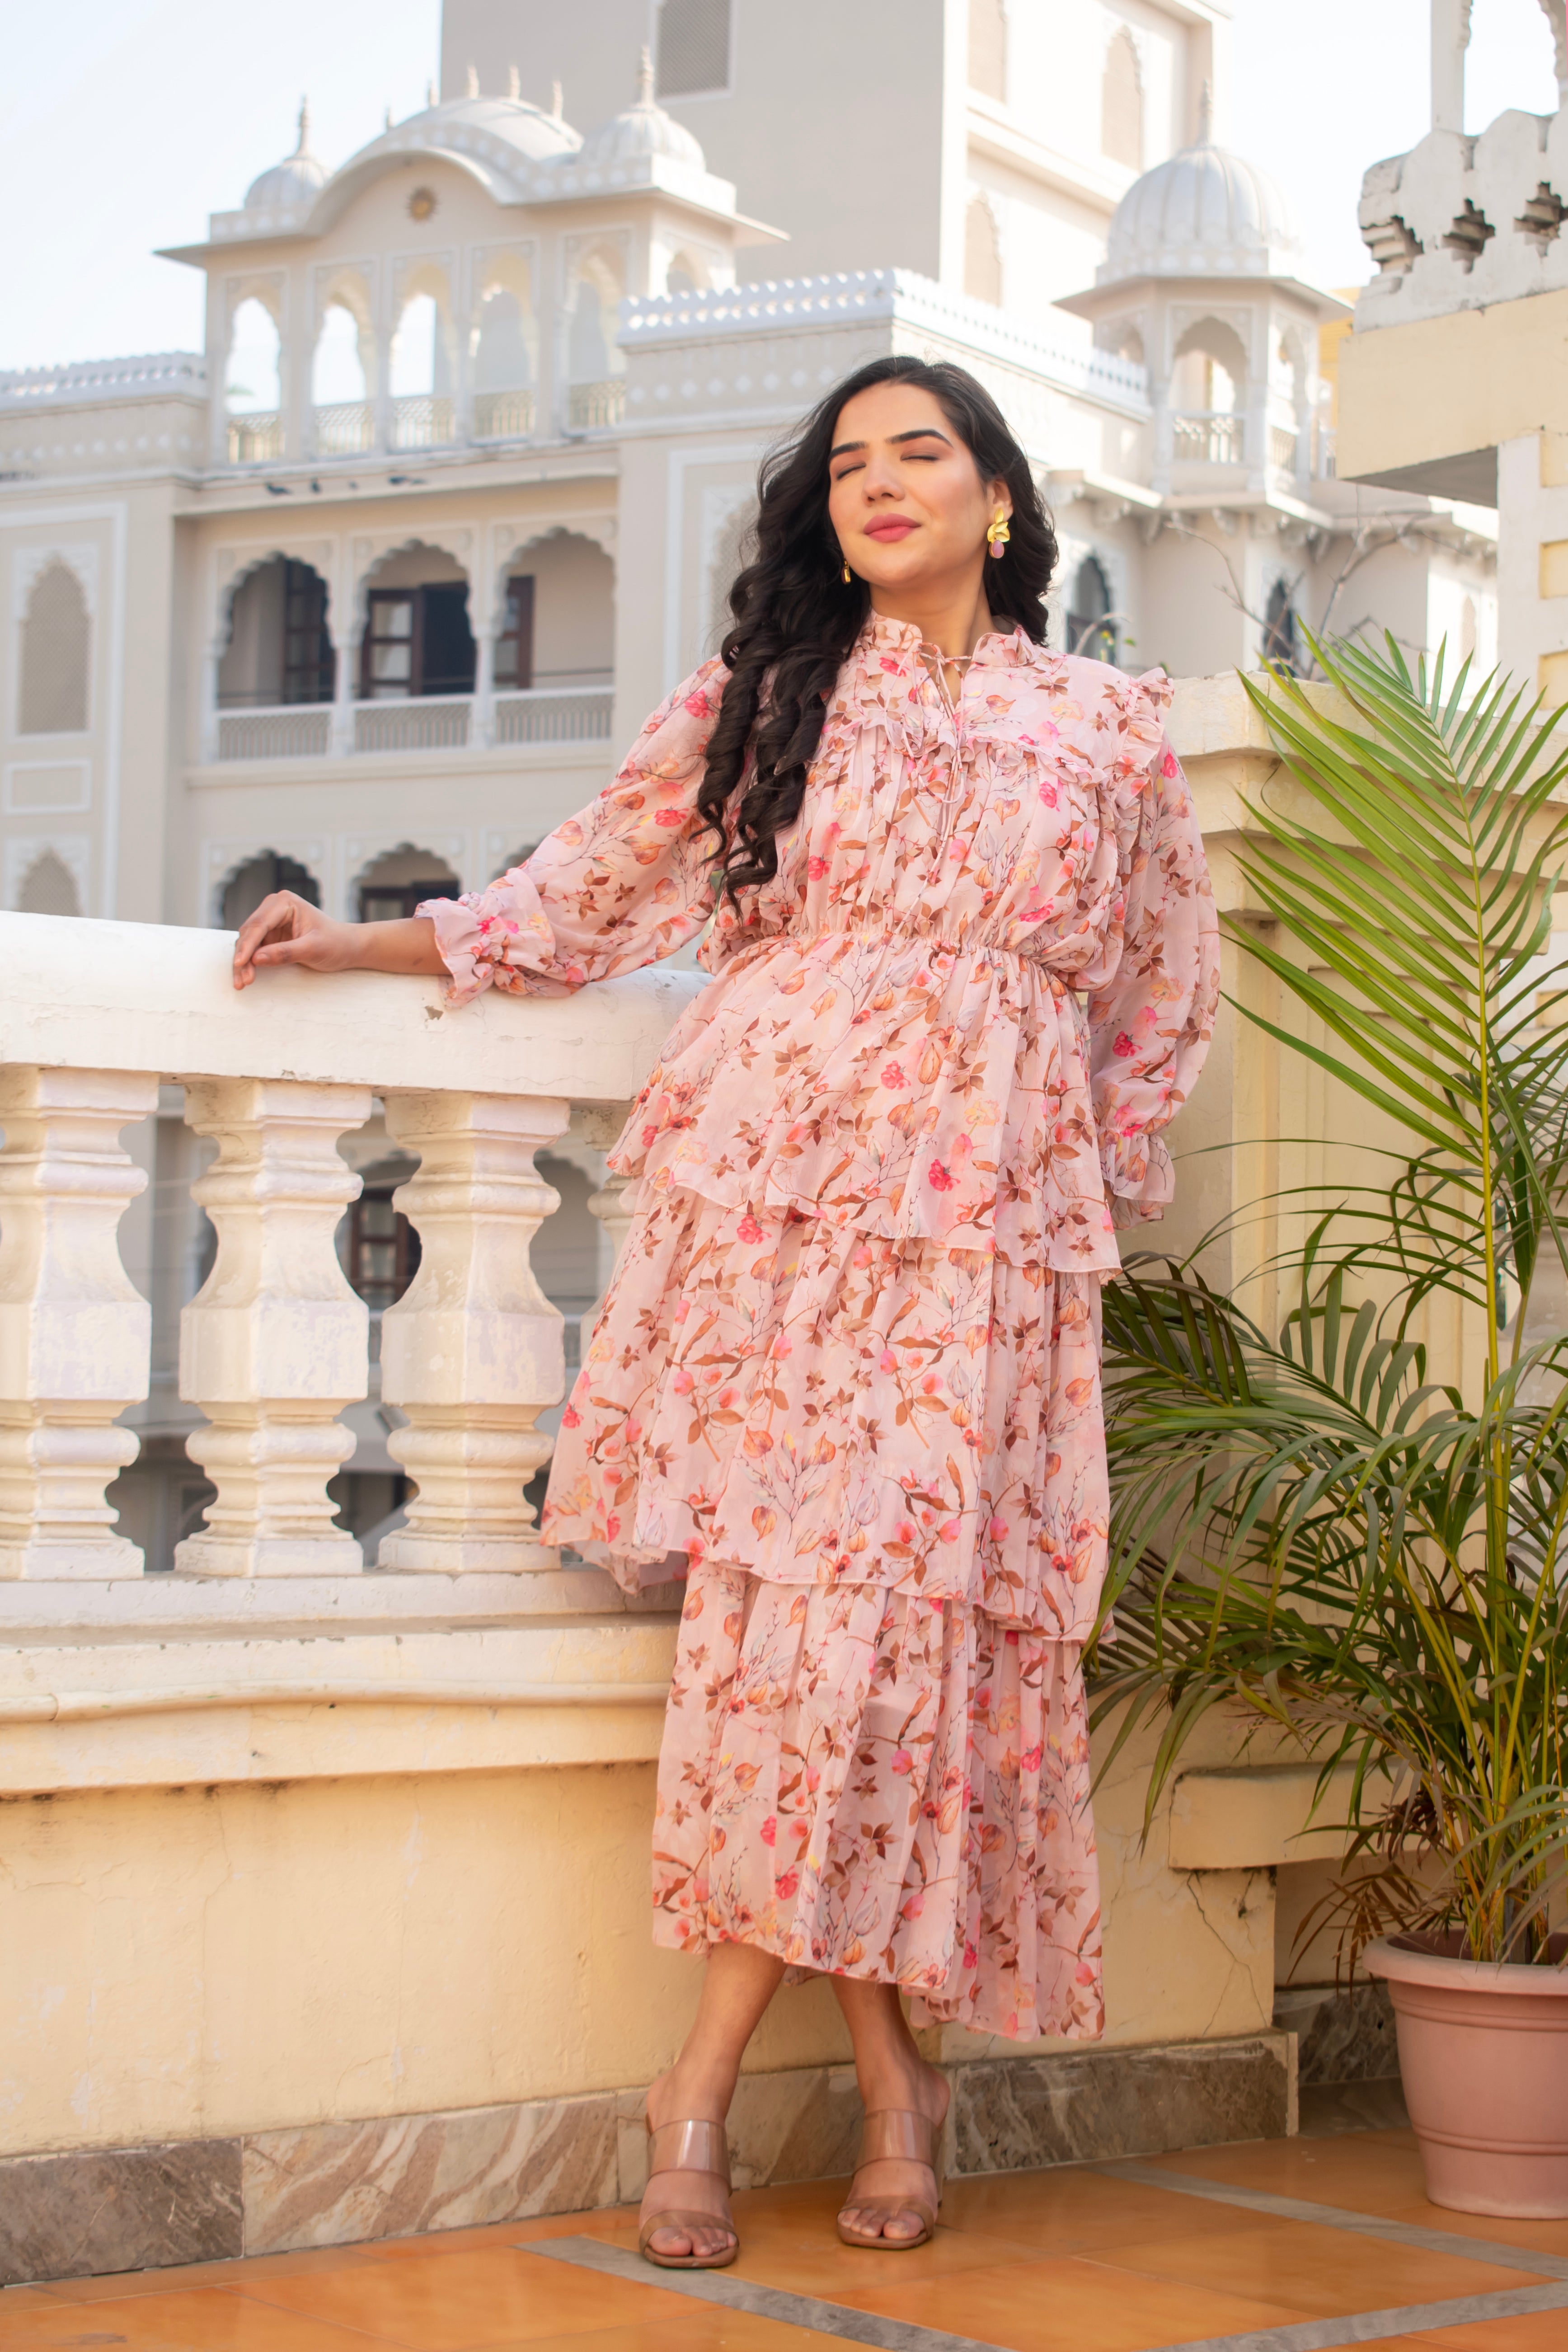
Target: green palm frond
1307 1525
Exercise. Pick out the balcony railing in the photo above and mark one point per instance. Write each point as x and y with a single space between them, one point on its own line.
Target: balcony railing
1282 448
435 722
1211 438
543 714
291 732
344 429
592 405
554 714
256 439
504 415
423 421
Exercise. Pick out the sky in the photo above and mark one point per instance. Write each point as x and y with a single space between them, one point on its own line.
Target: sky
125 122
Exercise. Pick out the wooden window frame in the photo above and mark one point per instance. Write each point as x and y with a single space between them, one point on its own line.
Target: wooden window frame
517 634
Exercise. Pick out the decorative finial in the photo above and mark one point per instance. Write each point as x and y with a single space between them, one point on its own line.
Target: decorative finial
513 84
1205 116
304 146
645 76
473 87
387 123
556 100
430 96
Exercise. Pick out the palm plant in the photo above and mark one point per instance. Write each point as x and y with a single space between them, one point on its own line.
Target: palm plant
1369 1560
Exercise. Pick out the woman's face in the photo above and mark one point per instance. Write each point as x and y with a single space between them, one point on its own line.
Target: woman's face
905 497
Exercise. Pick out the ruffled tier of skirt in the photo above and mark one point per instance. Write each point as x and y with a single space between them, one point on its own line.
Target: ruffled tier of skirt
882 1787
820 1405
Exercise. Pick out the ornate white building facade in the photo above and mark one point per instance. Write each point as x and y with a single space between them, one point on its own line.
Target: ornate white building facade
362 598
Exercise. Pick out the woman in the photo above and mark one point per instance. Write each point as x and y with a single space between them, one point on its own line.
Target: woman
846 1377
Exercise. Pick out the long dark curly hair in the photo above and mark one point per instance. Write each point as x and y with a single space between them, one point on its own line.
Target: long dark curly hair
795 617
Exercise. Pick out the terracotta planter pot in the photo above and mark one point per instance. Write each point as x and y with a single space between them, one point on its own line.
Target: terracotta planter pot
1483 2053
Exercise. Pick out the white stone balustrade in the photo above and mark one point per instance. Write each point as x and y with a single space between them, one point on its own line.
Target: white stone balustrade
74 1334
274 1345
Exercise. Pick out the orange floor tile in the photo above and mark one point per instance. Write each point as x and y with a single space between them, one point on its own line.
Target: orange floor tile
1070 2261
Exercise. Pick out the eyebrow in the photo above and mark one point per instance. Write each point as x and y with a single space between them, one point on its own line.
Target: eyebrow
919 432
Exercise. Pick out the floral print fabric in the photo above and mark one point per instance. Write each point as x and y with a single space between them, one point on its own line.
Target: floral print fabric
847 1370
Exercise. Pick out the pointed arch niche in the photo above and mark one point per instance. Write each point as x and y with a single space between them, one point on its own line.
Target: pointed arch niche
982 252
49 886
1121 101
54 656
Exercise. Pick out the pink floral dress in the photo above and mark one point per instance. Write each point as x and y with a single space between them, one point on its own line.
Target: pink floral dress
848 1373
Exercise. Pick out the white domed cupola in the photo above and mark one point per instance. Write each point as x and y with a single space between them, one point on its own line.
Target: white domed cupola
295 183
1202 213
643 135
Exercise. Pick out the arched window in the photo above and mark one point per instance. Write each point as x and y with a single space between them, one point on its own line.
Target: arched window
505 356
693 47
1090 629
686 274
1121 104
55 644
251 380
418 638
596 365
988 48
414 348
393 884
419 376
1279 640
258 878
981 253
278 649
49 888
337 366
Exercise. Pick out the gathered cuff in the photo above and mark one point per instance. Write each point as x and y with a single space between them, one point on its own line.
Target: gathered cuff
1139 1181
498 934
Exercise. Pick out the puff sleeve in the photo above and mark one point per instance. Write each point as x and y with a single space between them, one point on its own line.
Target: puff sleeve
628 880
1151 1002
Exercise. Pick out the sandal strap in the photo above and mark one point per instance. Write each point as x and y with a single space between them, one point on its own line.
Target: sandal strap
898 2132
693 2146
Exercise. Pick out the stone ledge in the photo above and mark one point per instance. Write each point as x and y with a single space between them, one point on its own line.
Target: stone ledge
87 2211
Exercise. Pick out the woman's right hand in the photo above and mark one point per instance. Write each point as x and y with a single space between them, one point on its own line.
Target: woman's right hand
288 930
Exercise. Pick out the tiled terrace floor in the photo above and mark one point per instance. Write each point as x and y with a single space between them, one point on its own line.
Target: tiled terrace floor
1081 2260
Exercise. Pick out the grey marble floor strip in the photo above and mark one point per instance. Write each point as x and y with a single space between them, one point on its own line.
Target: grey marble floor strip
853 2327
1376 2327
1336 2216
734 2293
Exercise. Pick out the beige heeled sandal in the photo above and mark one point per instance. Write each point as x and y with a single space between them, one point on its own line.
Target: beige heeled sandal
895 2132
690 2146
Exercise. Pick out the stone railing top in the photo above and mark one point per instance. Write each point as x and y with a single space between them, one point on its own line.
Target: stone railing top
1459 223
153 376
847 296
147 996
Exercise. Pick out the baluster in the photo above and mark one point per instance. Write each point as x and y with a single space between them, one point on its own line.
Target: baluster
75 1335
472 1353
274 1345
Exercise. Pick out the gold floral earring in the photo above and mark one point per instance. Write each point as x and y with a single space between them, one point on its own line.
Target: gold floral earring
997 534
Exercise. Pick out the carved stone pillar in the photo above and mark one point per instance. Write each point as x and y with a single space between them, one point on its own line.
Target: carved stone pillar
274 1345
75 1336
472 1353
